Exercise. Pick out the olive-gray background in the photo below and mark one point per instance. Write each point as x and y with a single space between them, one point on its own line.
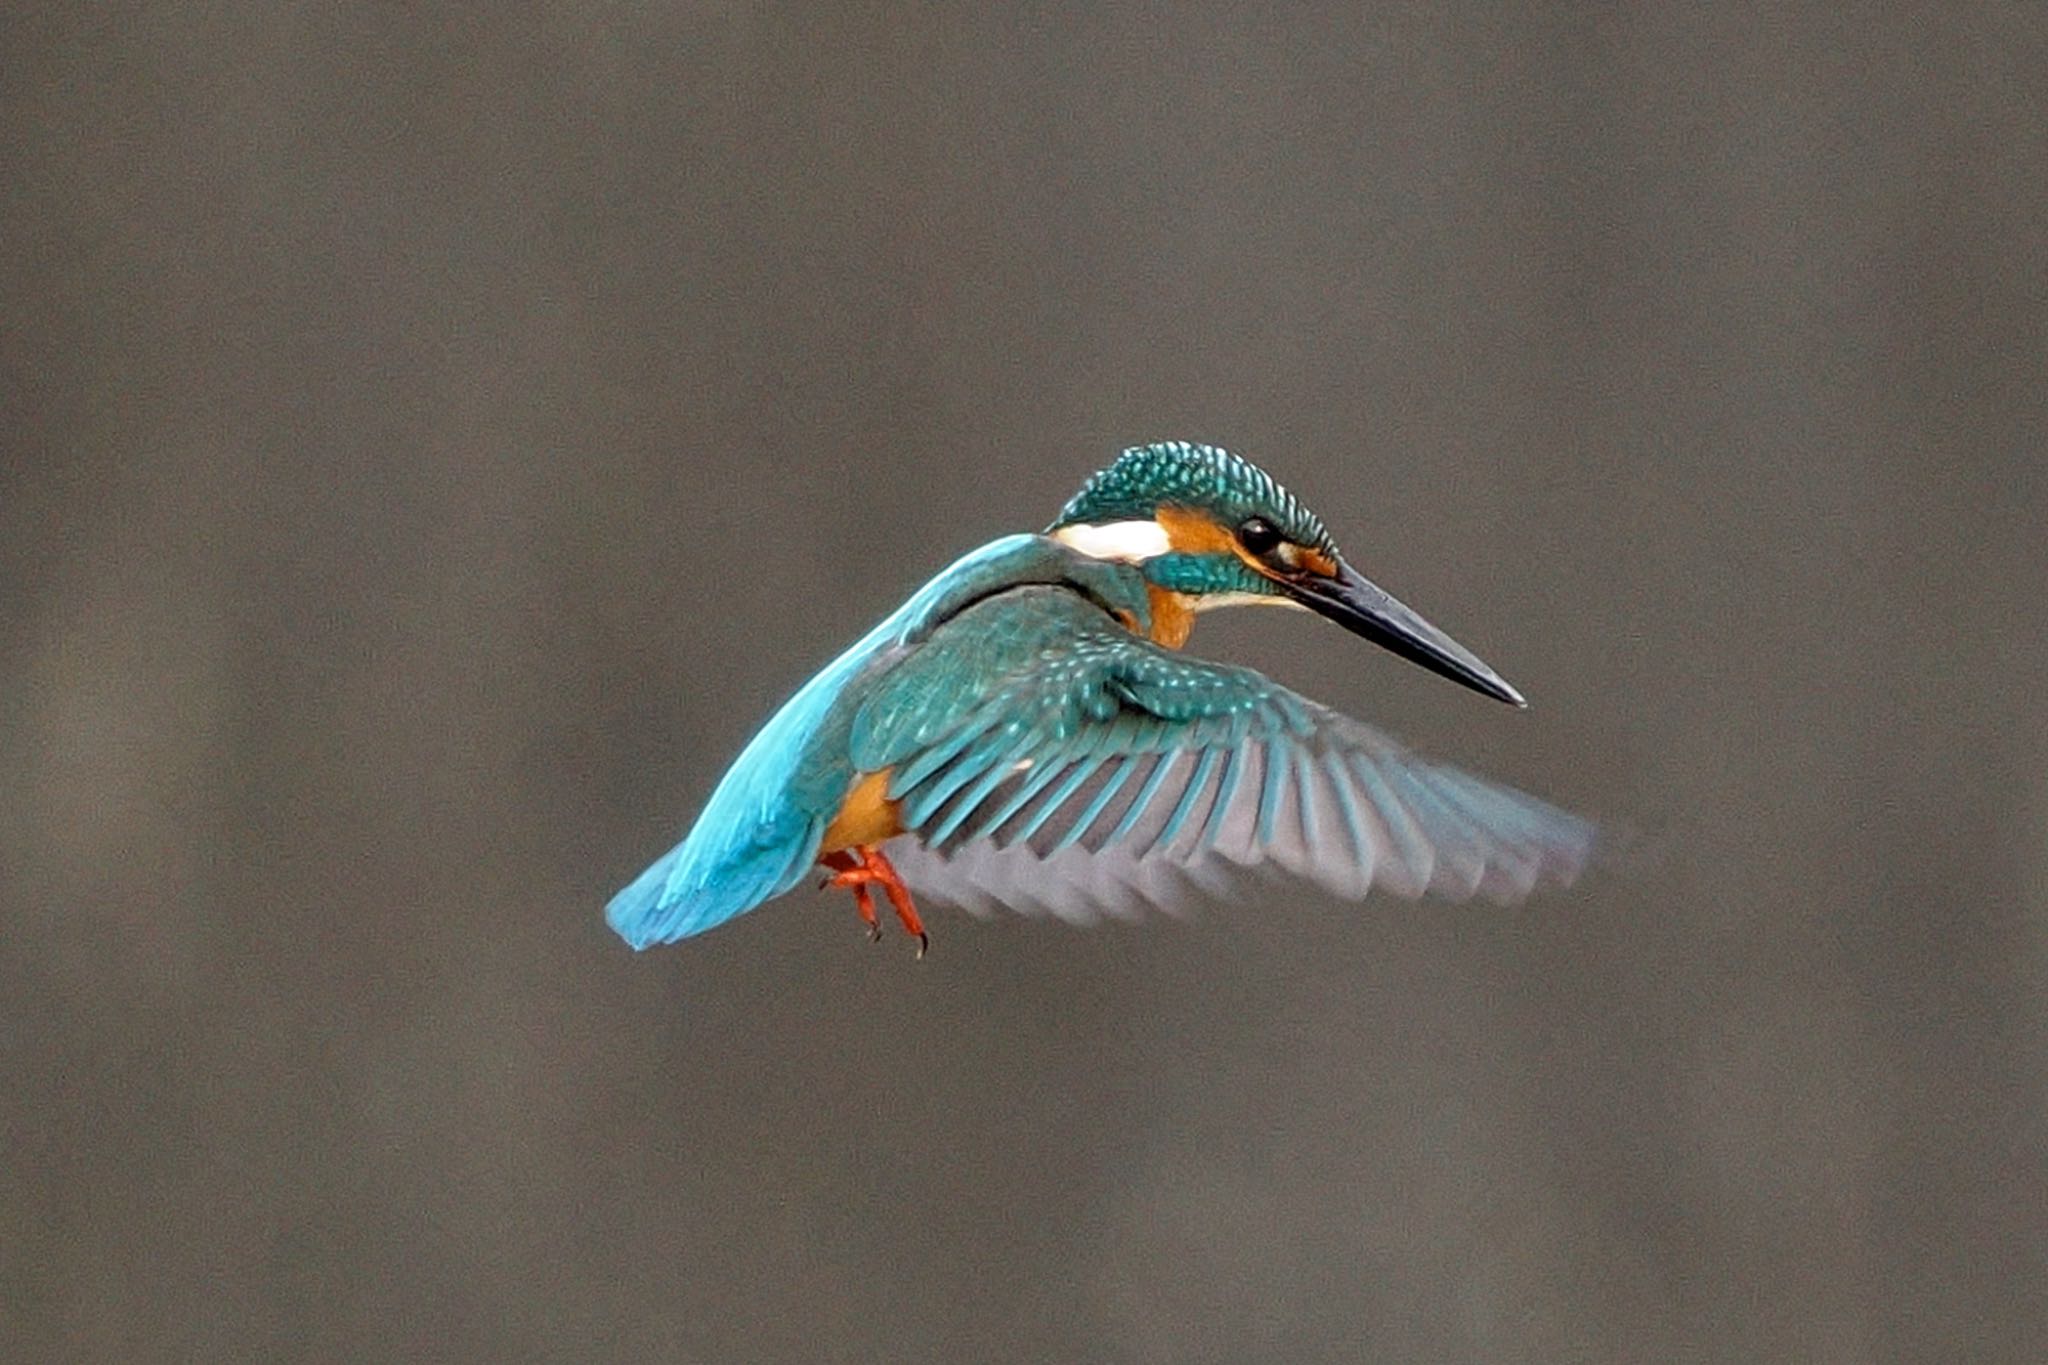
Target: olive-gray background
433 439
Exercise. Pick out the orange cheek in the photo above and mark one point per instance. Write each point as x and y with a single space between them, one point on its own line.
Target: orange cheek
1196 533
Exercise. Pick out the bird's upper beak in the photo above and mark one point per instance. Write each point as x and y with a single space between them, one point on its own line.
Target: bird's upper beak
1353 602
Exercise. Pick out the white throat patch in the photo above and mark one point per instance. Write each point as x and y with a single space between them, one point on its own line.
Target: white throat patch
1133 542
1209 601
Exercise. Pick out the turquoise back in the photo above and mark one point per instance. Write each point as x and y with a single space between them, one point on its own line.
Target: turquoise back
760 832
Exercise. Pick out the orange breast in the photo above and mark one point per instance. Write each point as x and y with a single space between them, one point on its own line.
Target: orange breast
867 817
1173 616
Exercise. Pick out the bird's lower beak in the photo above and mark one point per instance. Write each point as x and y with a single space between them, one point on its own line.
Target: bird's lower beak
1353 602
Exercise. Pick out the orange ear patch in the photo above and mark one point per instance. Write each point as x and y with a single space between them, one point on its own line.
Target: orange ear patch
1194 533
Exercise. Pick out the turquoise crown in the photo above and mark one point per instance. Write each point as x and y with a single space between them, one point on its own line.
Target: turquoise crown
1187 474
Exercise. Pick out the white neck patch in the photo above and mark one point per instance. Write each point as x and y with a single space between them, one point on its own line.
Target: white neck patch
1133 542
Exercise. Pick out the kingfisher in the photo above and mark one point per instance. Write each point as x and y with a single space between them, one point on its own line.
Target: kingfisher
1024 734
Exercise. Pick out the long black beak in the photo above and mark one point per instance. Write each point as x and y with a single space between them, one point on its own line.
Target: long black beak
1353 602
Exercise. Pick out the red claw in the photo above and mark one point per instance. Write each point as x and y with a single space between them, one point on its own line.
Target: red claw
860 870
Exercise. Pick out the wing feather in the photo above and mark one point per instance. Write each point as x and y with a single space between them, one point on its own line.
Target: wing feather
1102 775
1195 784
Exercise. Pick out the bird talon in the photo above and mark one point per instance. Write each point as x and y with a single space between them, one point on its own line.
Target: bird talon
860 873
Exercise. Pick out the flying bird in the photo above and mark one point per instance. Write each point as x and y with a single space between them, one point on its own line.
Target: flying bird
1024 734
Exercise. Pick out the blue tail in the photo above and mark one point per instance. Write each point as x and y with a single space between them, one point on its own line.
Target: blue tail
760 831
703 882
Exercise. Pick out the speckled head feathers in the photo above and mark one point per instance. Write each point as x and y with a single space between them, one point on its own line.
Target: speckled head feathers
1201 478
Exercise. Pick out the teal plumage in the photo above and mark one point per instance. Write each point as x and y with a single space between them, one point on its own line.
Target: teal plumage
759 833
1041 753
1140 756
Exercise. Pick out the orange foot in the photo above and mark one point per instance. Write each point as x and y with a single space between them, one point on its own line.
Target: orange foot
861 869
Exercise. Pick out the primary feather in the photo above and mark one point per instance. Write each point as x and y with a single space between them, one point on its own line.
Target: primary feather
1095 773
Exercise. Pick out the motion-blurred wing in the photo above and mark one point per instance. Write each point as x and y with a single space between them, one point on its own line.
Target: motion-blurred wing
1110 775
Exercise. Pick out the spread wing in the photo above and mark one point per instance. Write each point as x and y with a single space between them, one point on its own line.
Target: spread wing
1056 764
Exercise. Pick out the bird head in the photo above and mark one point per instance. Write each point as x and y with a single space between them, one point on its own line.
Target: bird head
1209 529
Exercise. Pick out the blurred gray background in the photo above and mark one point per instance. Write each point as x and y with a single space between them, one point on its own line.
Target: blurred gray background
434 438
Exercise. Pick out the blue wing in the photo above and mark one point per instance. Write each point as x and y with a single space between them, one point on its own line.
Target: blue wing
1100 774
759 833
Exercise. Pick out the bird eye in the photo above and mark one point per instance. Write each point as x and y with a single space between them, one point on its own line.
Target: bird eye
1258 536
